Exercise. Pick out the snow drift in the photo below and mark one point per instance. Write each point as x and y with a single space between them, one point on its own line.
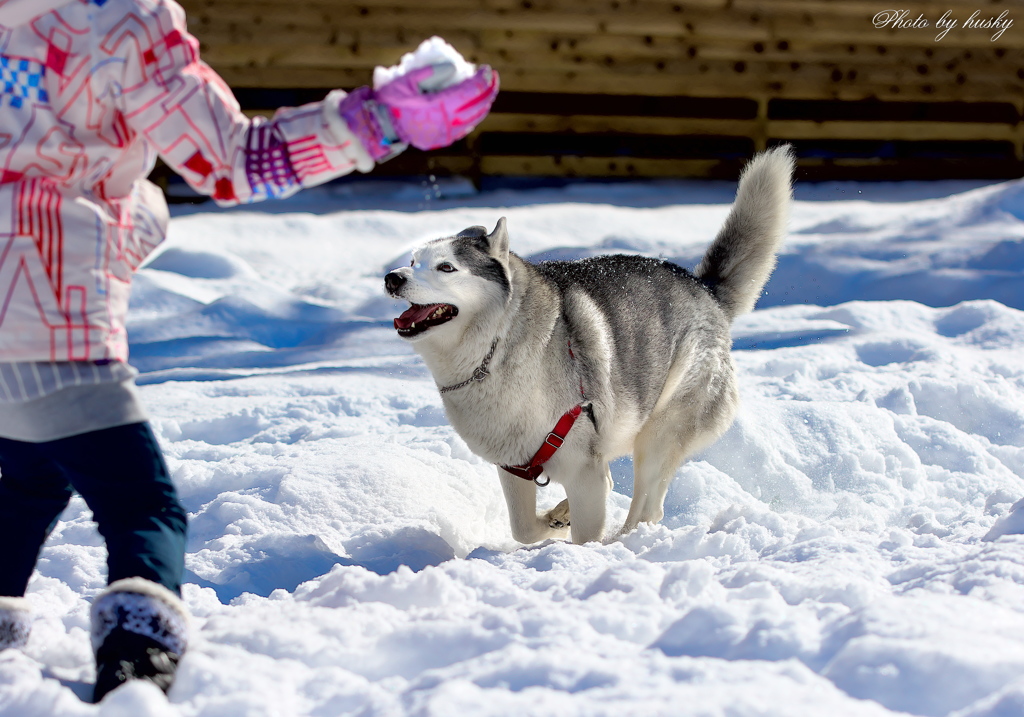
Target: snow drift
851 546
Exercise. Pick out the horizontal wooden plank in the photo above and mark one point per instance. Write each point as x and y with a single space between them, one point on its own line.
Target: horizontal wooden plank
597 167
591 124
929 8
817 7
252 76
563 48
415 162
803 49
904 69
737 73
727 23
812 169
761 8
723 86
760 130
808 169
653 85
579 6
857 33
812 51
909 131
782 129
826 84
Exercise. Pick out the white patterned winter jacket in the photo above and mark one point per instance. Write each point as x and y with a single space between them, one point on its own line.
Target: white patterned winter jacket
90 92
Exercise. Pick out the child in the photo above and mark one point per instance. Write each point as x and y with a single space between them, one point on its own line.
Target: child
90 92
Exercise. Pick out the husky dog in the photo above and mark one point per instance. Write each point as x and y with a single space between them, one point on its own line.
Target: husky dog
636 348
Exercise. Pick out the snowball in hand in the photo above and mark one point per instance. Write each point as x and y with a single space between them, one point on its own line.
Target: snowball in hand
434 51
434 97
430 99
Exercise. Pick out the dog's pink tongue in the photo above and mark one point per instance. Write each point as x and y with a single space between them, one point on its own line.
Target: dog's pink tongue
414 314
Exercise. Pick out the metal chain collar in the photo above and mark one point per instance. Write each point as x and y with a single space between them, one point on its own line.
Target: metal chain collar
479 374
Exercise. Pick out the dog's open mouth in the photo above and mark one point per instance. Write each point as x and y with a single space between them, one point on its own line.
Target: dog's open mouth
419 317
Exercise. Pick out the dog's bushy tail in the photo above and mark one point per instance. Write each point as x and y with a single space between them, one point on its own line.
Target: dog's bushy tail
738 263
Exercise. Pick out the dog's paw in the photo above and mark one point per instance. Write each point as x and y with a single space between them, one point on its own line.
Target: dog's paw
558 517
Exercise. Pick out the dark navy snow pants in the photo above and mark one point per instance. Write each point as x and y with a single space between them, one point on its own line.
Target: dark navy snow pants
122 476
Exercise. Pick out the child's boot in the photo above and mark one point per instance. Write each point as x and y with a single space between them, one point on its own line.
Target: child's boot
15 622
139 632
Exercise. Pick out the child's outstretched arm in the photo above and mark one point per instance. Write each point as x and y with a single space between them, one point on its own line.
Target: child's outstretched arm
189 115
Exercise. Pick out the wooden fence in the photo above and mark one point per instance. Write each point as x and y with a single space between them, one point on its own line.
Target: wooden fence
660 88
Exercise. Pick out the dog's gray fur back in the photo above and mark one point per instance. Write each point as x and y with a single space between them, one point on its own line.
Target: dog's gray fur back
648 306
642 342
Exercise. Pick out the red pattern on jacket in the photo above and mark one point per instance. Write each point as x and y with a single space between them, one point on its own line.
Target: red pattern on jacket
90 92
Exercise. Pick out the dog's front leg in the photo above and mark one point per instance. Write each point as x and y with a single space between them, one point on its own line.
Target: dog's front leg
521 497
587 486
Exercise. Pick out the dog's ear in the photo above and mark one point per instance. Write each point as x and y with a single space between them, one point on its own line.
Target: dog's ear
476 232
497 242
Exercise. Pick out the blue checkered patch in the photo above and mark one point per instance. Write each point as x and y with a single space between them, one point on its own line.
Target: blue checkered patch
21 81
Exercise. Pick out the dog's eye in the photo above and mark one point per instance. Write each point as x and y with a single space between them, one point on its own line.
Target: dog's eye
446 267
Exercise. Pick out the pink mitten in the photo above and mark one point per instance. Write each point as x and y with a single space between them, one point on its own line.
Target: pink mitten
429 119
408 110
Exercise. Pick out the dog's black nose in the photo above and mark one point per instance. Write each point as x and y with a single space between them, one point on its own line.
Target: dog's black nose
393 281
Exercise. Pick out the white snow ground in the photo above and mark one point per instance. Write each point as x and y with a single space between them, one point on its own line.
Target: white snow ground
851 547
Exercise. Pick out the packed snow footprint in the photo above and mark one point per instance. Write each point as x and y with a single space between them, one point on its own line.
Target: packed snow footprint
851 546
